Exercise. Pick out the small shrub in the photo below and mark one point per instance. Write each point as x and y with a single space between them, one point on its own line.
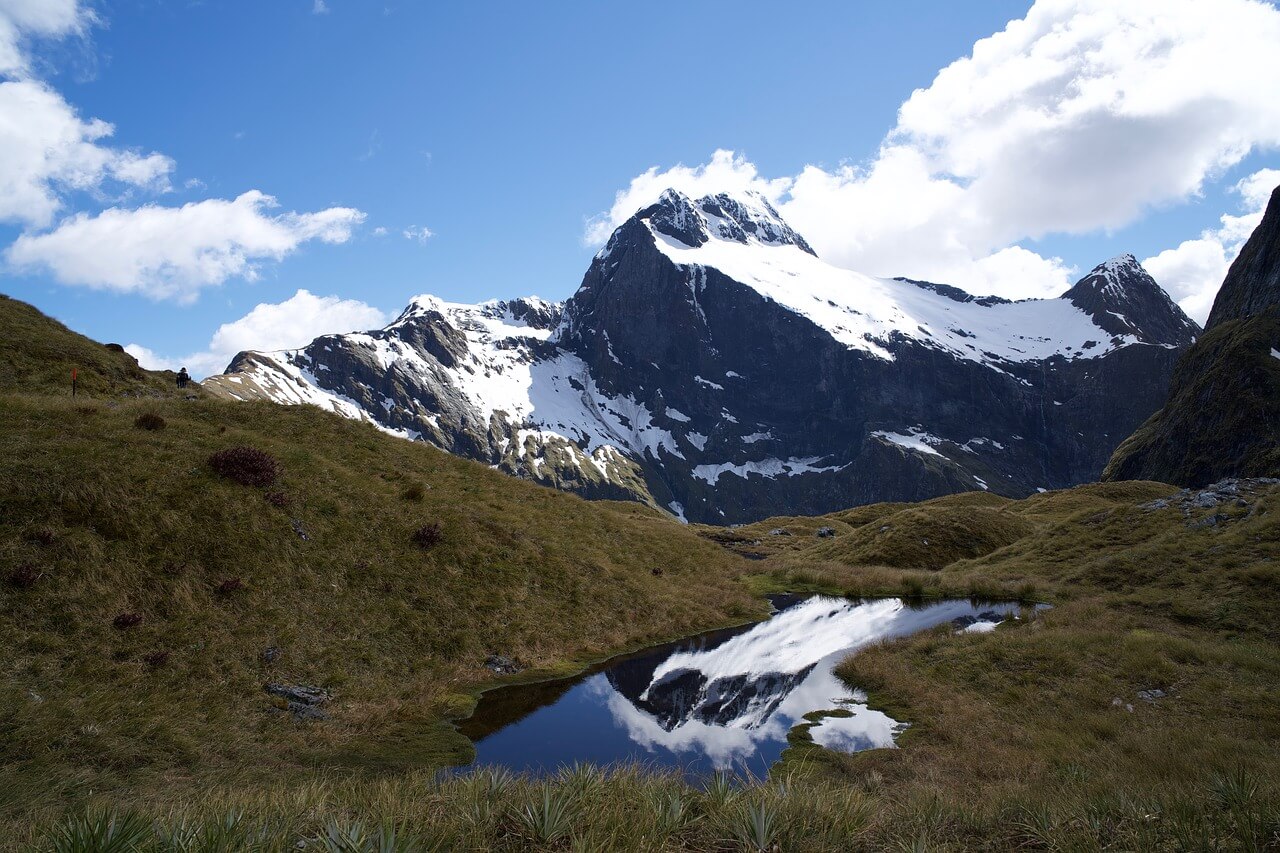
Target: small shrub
23 577
44 536
414 492
247 466
87 411
150 421
101 832
428 535
156 659
277 499
550 818
125 621
230 586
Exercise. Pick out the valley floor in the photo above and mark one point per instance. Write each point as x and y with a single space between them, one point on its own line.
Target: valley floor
142 593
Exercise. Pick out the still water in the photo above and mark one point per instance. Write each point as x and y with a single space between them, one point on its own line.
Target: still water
719 701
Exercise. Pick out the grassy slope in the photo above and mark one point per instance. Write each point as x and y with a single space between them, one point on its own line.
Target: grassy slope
113 519
37 354
1142 599
1015 741
1223 413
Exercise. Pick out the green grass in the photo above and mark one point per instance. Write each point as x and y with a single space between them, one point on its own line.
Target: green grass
120 520
37 354
138 590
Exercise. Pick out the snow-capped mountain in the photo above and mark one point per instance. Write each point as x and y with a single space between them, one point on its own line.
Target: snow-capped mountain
711 364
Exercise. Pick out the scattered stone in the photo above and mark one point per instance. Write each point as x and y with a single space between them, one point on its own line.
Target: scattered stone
1151 695
657 572
303 712
299 693
825 532
778 531
299 529
501 665
271 654
1209 521
1232 490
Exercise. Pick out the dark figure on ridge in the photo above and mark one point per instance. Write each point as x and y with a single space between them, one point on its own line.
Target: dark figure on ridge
183 378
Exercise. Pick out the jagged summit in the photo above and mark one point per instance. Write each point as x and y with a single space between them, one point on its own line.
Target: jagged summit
539 316
1122 298
744 218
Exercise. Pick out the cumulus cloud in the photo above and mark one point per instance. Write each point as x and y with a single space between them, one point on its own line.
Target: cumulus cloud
420 234
1080 117
174 252
1193 270
290 324
47 150
48 153
21 20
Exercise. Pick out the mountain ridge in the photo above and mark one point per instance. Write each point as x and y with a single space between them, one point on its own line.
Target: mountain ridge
712 365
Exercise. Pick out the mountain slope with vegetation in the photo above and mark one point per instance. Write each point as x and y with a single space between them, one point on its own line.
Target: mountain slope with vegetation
147 599
1222 417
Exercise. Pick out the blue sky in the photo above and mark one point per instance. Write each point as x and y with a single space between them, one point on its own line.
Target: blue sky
502 128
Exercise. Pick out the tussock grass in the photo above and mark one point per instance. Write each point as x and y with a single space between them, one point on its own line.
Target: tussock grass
635 809
134 656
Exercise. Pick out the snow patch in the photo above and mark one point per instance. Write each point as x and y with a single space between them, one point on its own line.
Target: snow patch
768 468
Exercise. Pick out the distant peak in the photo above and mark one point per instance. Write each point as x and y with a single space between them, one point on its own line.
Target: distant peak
1123 299
743 217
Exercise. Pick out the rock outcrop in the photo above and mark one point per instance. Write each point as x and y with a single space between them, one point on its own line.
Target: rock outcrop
1222 416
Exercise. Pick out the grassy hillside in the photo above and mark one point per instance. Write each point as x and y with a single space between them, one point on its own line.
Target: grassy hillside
139 591
146 599
37 354
1223 413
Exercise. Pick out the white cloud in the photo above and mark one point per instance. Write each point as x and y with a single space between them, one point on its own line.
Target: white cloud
319 7
21 20
47 150
1080 117
174 252
420 234
290 324
1193 270
380 231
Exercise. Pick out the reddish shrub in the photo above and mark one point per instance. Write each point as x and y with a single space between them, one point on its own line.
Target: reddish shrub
150 421
230 586
44 536
125 621
428 535
279 499
23 577
247 466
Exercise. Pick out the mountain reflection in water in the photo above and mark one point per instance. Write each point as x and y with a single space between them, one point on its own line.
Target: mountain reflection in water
719 701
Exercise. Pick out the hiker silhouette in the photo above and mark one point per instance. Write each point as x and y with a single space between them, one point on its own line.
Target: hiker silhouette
183 378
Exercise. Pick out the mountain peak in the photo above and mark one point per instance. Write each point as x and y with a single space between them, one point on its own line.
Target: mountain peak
1252 285
1124 300
746 217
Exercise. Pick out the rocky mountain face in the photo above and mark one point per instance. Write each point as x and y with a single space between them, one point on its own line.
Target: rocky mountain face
1222 417
712 365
